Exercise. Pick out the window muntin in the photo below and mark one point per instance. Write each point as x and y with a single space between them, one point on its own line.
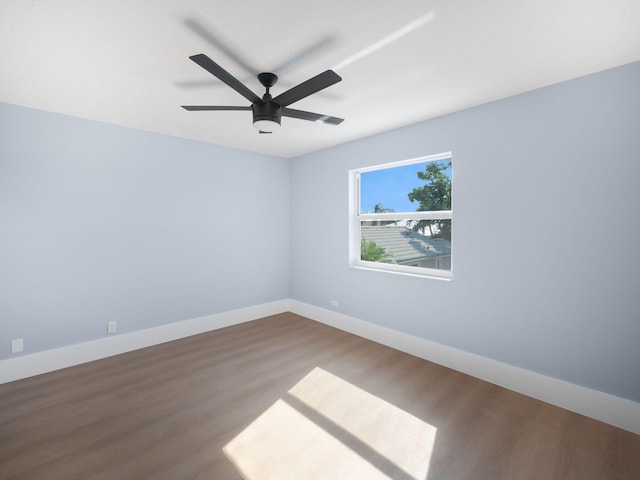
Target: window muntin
393 233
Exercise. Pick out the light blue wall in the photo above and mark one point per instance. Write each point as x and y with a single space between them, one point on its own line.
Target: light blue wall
100 223
546 232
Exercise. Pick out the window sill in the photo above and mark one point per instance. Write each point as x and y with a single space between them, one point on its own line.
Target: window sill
445 275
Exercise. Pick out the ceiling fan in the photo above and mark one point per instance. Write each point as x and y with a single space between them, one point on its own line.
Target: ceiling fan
268 111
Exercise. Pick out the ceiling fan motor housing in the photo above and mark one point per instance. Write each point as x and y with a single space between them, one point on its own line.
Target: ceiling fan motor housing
267 110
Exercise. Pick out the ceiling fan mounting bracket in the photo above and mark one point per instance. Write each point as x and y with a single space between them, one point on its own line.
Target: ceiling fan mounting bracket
267 79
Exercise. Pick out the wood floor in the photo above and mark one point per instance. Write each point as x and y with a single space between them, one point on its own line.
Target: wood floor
167 412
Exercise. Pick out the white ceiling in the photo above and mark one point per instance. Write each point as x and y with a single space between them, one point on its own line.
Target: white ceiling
126 61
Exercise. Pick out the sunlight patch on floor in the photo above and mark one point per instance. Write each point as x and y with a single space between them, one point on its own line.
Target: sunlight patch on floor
328 428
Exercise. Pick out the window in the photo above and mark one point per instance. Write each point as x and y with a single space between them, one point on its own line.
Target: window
401 216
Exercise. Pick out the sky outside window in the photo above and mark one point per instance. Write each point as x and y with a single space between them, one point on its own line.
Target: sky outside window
391 186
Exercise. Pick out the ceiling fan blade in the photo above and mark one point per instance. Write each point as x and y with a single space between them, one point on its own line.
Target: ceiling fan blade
196 108
216 70
197 83
311 86
313 117
208 35
306 54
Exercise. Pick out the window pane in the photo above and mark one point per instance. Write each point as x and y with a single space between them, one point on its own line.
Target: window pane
422 186
425 244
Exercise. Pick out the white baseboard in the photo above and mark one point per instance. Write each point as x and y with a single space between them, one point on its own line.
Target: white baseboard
606 408
47 361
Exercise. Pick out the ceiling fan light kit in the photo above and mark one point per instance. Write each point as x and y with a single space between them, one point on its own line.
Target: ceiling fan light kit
268 111
267 125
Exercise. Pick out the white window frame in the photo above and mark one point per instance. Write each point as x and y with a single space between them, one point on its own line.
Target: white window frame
356 218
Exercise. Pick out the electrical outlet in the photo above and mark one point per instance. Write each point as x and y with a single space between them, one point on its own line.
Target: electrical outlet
334 303
112 327
17 345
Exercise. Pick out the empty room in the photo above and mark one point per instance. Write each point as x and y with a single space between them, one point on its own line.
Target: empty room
319 240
